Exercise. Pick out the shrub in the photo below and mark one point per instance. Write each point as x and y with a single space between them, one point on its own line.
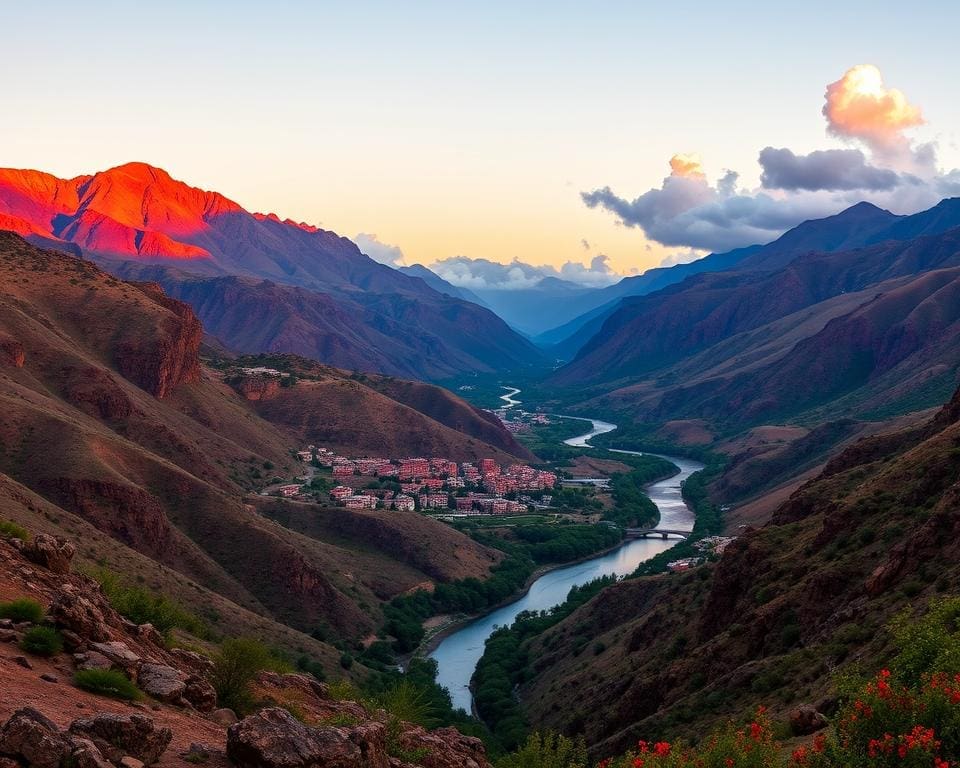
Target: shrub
406 701
107 682
22 609
549 750
346 660
142 606
10 530
42 641
235 666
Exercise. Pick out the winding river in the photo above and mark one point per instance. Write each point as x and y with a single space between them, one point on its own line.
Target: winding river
458 653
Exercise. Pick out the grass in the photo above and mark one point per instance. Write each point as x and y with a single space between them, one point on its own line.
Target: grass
22 609
107 682
236 665
143 606
42 641
10 530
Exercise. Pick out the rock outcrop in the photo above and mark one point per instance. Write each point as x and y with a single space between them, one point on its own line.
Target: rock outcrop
162 361
117 736
52 553
31 738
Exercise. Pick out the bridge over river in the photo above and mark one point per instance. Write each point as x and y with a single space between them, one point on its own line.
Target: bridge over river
642 533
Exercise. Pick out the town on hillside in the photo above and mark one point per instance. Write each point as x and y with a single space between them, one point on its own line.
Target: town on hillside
438 484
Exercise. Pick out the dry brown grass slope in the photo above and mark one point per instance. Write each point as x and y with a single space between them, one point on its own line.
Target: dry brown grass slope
106 413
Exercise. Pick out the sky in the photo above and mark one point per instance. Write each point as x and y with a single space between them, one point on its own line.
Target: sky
509 132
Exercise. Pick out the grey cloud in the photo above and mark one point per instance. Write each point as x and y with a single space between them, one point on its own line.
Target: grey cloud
831 169
483 274
379 251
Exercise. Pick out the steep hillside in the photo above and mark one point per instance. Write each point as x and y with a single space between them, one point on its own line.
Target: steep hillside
369 414
108 416
324 297
861 225
785 608
869 332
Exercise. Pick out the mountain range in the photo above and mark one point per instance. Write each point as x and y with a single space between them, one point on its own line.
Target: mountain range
115 433
259 283
839 315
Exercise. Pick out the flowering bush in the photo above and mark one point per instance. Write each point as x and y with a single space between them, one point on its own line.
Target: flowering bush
752 746
889 724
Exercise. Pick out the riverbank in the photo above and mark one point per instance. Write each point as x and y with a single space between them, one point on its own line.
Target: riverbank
438 634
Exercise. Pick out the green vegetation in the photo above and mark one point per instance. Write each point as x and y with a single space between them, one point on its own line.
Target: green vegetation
235 666
709 520
107 682
549 750
546 440
633 507
564 543
143 606
532 545
22 609
506 663
10 530
42 641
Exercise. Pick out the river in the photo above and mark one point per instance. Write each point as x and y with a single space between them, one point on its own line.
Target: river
458 653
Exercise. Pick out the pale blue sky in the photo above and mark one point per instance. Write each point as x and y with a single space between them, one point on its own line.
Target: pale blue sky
452 128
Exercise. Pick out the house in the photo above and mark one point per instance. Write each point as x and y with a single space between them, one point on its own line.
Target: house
289 490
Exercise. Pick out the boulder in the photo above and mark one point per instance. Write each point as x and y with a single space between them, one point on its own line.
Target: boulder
52 553
117 736
162 682
224 716
805 720
148 633
86 755
119 655
195 662
33 738
130 762
7 635
92 660
79 615
201 695
444 747
273 738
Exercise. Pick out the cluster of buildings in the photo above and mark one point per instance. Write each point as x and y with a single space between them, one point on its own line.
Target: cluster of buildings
431 484
707 545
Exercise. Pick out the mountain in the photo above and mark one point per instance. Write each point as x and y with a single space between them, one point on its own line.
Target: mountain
536 308
436 282
864 329
113 432
355 311
778 621
859 225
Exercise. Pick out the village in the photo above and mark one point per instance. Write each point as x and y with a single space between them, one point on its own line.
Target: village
439 485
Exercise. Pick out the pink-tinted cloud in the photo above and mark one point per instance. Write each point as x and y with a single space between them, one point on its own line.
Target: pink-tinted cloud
860 107
688 211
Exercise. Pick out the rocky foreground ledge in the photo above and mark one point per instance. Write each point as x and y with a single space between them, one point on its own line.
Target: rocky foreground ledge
48 722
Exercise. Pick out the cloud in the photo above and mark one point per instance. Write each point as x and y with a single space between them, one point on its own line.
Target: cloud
585 243
680 257
688 166
597 273
830 169
687 211
379 251
483 274
859 107
891 170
